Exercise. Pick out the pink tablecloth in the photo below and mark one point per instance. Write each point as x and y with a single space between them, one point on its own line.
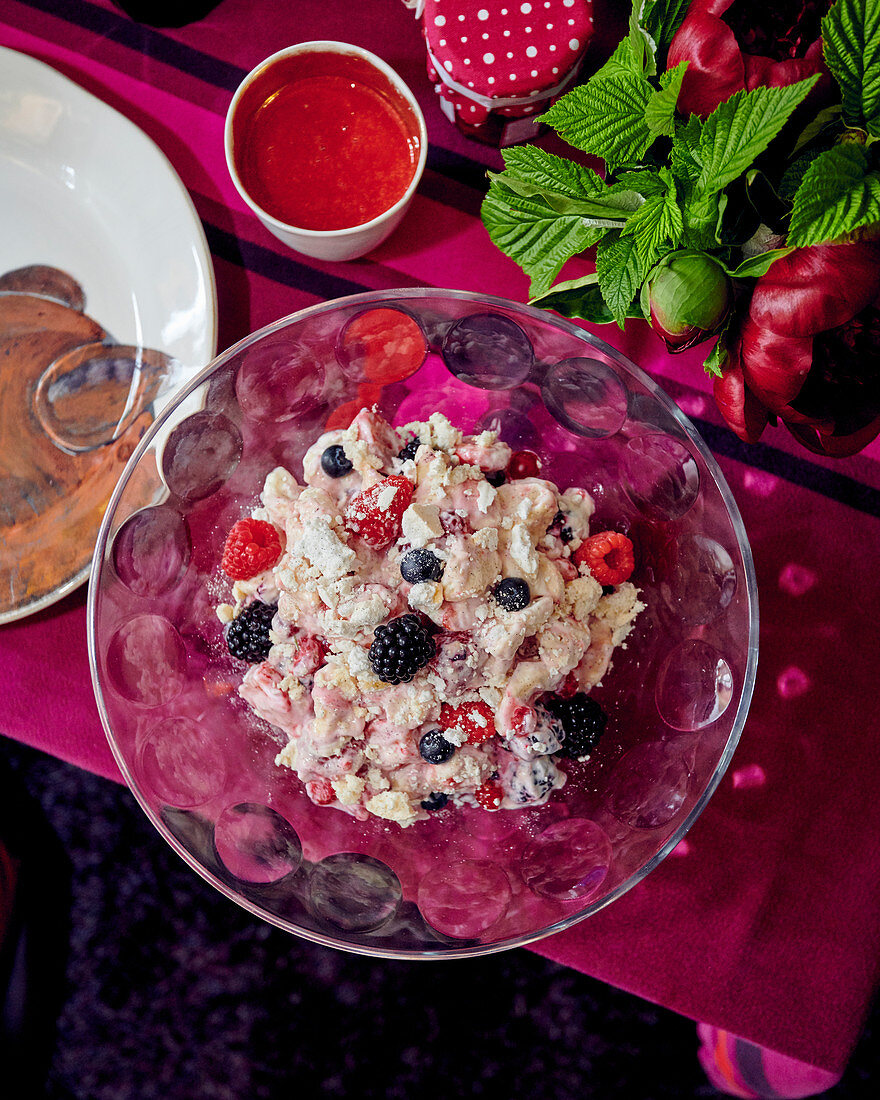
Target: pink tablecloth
766 920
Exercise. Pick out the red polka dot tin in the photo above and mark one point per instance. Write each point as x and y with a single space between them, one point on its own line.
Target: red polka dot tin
499 64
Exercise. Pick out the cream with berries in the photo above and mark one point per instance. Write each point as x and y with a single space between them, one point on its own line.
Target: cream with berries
424 618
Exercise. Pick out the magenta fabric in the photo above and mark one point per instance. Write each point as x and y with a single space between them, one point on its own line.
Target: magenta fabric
765 921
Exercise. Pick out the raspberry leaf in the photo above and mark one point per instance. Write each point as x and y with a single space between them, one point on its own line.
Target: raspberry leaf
662 18
660 108
580 298
657 225
716 360
837 195
851 38
740 129
536 237
606 118
620 270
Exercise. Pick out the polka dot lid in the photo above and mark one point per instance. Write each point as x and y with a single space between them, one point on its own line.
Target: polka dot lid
507 58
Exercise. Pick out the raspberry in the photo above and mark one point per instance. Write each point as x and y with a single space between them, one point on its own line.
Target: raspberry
251 546
376 512
521 719
568 686
581 723
476 720
248 636
489 796
310 653
608 556
320 791
523 464
400 648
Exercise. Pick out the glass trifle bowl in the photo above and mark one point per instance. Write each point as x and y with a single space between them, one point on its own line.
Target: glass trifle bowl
469 880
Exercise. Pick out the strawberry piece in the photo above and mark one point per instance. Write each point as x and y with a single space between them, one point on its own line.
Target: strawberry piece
523 464
320 791
569 686
476 720
608 556
251 546
489 796
311 653
521 718
375 513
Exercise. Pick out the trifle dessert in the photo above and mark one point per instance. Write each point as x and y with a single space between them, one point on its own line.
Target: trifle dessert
424 619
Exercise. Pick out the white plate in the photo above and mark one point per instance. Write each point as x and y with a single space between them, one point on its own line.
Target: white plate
82 189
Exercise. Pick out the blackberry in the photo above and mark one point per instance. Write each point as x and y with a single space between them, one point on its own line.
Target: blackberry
421 565
581 723
559 527
435 801
495 477
400 648
434 747
409 451
513 593
334 462
248 636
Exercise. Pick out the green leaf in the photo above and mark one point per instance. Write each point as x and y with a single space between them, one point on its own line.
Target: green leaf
684 158
566 187
660 108
851 44
662 18
756 266
643 46
837 196
739 130
565 177
702 214
716 360
658 224
623 62
621 271
606 209
537 238
581 299
644 181
606 118
827 118
793 175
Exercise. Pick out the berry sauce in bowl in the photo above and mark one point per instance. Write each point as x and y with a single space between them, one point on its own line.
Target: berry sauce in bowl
186 610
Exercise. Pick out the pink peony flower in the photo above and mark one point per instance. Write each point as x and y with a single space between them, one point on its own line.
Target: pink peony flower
736 45
808 351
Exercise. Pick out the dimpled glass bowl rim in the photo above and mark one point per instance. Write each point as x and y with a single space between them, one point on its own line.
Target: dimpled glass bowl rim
377 298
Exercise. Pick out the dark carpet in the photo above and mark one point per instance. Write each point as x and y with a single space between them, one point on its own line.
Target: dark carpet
143 982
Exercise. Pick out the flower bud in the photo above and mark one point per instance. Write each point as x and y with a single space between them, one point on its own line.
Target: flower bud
686 297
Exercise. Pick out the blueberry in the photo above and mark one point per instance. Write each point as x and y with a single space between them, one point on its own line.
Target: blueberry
495 477
409 451
434 747
435 801
334 463
421 565
512 593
